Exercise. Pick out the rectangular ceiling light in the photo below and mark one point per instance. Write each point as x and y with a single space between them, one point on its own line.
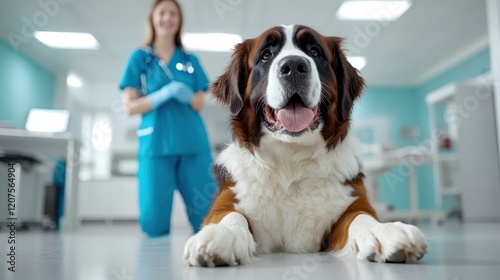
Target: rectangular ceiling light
211 42
67 40
389 10
357 62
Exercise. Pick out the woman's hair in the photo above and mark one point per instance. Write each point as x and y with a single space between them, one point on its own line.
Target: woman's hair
150 30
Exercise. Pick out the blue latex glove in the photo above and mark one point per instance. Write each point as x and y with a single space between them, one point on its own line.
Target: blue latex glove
180 91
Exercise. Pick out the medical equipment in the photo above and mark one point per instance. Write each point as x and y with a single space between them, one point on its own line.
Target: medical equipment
187 66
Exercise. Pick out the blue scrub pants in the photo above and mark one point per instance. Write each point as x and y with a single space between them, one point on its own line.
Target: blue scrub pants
160 176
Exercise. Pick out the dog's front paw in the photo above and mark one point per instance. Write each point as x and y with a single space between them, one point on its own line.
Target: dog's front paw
220 245
391 242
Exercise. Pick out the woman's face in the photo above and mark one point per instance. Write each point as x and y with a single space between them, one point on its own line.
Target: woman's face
166 19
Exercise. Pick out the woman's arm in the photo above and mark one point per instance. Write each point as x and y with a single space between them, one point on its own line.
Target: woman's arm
133 103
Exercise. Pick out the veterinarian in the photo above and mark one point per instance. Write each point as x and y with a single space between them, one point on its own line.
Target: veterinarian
166 85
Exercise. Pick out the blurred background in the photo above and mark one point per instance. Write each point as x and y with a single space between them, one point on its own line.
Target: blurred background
426 120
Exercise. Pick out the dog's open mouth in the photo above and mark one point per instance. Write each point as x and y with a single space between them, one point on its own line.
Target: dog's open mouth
294 118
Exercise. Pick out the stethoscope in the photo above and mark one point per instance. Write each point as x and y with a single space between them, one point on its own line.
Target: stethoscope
186 67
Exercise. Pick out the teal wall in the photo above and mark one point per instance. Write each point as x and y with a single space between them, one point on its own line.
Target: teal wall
406 107
24 84
469 68
398 106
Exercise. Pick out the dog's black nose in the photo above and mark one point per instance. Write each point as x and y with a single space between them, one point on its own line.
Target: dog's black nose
293 65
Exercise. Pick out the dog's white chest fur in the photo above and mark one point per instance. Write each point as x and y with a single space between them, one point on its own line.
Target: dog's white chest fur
291 195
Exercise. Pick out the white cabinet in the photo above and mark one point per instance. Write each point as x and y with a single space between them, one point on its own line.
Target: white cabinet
117 199
111 199
30 183
467 168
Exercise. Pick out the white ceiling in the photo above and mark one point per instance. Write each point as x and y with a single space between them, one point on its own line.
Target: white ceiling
428 38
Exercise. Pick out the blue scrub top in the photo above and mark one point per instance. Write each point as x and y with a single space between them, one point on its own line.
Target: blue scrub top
174 128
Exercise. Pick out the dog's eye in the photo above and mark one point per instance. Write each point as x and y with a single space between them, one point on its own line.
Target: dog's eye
315 52
266 55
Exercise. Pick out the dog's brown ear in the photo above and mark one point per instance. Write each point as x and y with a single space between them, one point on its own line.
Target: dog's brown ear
229 88
349 83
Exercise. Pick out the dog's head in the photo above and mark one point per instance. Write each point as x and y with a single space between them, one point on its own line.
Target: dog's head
290 82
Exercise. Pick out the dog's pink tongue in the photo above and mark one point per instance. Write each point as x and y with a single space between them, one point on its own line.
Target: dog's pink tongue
295 117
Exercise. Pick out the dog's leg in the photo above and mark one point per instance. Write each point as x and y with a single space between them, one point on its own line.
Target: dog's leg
224 240
385 242
358 232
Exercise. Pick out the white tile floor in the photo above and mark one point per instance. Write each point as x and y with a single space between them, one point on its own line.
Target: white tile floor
120 252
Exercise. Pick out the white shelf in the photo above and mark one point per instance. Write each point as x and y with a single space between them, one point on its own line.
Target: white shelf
444 167
457 173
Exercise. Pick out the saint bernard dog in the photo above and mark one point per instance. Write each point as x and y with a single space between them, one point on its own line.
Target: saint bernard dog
292 180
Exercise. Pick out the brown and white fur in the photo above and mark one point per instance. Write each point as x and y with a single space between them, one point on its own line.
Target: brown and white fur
288 185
